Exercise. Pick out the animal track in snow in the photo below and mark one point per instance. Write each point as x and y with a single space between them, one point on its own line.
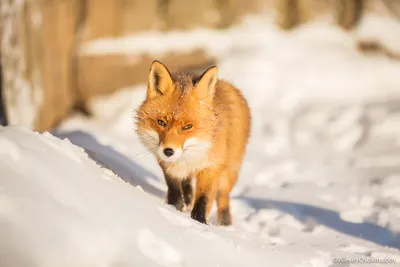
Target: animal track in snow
158 250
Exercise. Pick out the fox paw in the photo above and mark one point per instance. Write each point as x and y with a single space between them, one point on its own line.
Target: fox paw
224 217
199 210
177 203
188 207
179 206
200 217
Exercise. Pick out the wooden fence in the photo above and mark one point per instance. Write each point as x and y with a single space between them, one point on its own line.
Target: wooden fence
45 76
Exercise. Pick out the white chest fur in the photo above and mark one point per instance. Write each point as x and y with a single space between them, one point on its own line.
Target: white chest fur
195 157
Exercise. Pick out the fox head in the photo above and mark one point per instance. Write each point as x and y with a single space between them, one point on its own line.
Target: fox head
176 122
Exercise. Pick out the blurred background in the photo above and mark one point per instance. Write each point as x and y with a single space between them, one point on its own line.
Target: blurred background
56 55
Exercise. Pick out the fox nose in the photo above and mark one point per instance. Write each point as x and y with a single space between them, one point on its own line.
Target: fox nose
168 152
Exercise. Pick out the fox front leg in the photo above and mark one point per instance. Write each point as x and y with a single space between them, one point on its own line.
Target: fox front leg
206 188
187 191
174 194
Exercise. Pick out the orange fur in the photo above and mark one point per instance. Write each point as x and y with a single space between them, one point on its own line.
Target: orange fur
206 122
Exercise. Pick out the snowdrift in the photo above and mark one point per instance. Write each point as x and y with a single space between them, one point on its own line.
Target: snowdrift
59 208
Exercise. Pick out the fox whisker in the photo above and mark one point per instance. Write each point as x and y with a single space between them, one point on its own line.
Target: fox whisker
195 147
187 162
143 153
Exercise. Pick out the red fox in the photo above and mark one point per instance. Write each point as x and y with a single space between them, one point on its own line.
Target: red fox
198 127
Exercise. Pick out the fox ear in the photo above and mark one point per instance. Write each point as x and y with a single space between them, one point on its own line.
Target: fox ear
206 83
160 81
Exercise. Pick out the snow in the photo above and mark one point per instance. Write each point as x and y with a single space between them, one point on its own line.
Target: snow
319 185
62 209
23 98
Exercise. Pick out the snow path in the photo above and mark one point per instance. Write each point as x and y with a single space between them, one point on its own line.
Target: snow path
351 204
58 208
322 168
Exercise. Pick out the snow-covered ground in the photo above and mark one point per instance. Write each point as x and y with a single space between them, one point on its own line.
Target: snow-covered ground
320 182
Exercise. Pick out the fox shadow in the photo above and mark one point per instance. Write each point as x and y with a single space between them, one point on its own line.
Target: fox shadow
329 218
113 160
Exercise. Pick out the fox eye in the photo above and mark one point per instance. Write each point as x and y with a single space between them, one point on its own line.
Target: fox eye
162 123
187 127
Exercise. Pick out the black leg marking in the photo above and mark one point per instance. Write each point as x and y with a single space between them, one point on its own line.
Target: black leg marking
187 191
174 195
199 209
225 217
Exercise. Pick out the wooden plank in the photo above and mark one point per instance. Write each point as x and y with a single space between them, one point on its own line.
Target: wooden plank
137 16
190 14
